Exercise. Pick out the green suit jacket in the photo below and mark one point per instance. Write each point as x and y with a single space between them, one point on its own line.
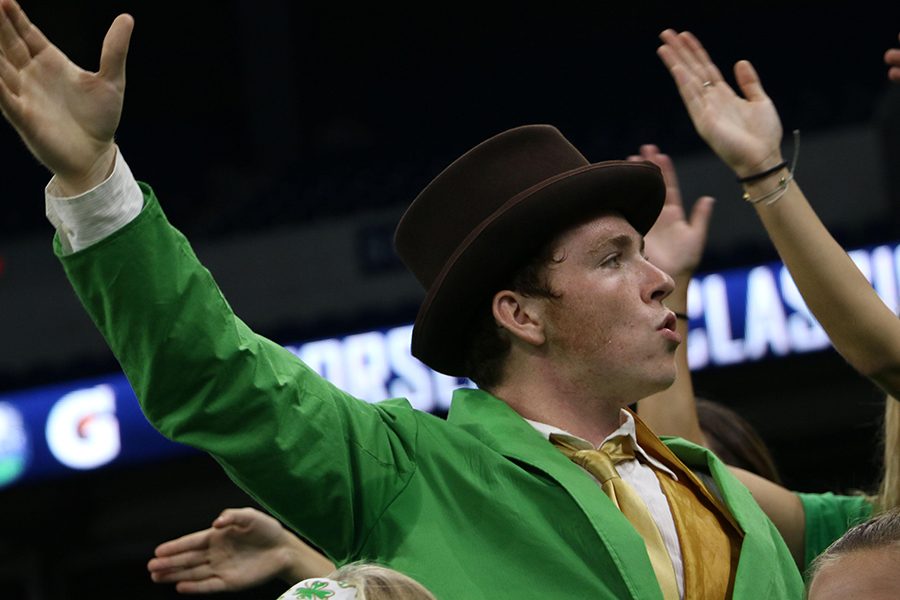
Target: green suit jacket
475 506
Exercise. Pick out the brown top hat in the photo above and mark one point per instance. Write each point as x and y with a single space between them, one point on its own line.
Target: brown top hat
488 212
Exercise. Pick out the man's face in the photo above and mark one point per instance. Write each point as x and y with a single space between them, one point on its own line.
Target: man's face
608 331
870 574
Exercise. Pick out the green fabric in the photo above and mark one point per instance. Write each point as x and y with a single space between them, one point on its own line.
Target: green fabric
474 506
828 516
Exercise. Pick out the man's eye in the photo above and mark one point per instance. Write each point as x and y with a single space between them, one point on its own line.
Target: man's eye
613 260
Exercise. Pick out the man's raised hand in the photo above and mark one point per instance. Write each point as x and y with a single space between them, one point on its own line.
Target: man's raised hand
744 131
675 243
65 115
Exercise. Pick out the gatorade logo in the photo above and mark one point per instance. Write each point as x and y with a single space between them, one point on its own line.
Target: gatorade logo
82 429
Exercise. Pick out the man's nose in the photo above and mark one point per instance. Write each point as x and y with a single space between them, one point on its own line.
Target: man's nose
659 284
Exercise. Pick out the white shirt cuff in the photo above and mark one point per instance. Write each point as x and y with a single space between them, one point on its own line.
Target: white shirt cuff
87 218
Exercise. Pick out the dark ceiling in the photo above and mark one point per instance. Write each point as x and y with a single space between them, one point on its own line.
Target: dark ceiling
253 114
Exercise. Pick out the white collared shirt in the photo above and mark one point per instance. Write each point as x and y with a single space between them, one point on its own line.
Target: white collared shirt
642 478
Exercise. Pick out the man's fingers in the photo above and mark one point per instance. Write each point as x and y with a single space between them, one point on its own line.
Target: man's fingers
706 67
892 56
9 76
11 43
701 214
240 517
32 37
199 540
194 573
688 86
115 49
650 152
661 160
748 81
676 53
10 104
180 562
693 70
207 586
211 585
684 53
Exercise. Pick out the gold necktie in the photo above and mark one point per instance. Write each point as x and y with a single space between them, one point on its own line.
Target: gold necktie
601 464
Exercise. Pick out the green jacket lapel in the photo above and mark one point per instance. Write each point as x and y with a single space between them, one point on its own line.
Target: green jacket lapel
761 539
501 428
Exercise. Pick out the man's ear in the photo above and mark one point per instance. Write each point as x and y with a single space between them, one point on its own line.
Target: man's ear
520 315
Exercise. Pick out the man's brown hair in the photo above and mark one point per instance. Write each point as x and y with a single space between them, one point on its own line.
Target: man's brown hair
489 344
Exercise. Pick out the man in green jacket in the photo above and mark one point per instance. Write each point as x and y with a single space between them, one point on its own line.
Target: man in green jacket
539 483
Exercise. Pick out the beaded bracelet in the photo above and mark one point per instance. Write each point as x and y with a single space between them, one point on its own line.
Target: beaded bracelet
772 196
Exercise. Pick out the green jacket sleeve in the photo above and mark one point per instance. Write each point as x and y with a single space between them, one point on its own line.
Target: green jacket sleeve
828 516
324 462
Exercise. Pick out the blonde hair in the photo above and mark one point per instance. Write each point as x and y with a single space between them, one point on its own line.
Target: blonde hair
880 532
888 496
374 582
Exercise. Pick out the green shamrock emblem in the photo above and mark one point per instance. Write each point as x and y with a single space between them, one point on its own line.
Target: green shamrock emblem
314 591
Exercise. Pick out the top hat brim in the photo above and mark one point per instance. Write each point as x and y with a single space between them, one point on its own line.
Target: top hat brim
488 256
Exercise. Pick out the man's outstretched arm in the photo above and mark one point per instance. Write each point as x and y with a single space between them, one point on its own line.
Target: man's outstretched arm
203 377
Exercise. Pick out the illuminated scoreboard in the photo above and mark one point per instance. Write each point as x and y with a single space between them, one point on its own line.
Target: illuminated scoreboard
745 315
736 316
375 365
